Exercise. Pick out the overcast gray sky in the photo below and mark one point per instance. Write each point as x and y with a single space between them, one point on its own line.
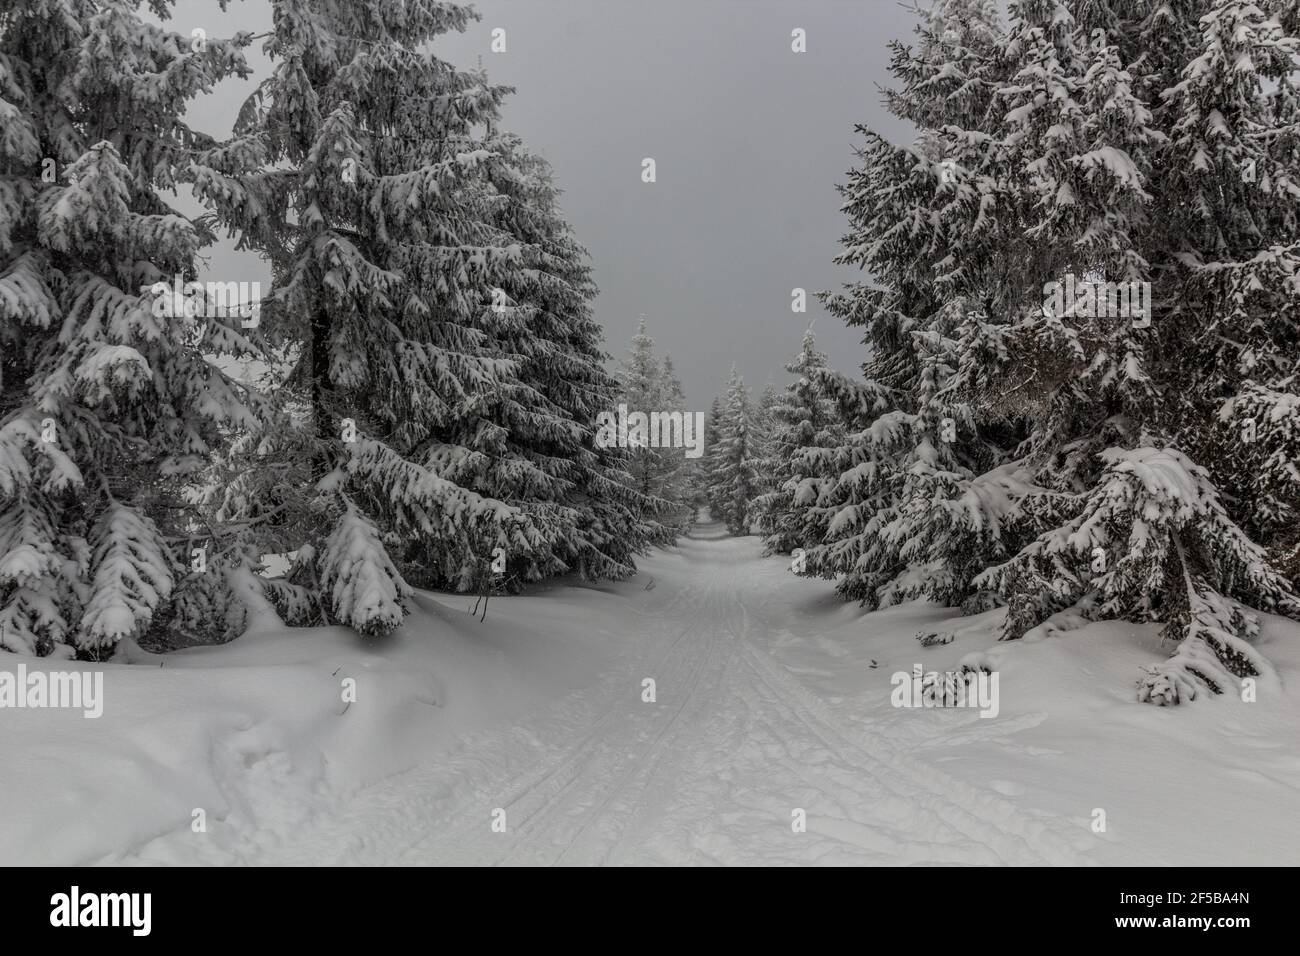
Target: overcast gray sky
749 139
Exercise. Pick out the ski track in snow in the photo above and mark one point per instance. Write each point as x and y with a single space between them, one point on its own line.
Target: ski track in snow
708 774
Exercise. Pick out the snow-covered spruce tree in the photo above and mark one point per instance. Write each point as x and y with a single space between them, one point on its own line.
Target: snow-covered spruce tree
647 386
709 486
1169 193
540 455
1234 152
922 510
733 473
108 403
806 434
344 170
680 486
763 434
853 501
434 304
1229 263
707 466
1135 143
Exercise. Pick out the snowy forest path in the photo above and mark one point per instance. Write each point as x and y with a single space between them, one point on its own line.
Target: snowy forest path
714 770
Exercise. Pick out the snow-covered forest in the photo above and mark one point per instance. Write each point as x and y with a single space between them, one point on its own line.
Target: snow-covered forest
1068 461
401 548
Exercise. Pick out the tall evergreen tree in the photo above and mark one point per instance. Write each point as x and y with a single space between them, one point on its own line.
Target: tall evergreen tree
801 457
542 456
680 482
446 367
733 475
1051 457
108 402
708 464
905 527
640 379
763 437
648 385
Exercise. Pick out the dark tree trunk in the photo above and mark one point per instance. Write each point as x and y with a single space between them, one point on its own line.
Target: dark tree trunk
320 369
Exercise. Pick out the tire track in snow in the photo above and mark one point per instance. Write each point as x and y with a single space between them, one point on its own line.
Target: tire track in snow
609 782
543 788
985 818
982 814
560 832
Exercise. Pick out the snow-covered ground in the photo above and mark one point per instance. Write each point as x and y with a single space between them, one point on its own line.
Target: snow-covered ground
771 697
